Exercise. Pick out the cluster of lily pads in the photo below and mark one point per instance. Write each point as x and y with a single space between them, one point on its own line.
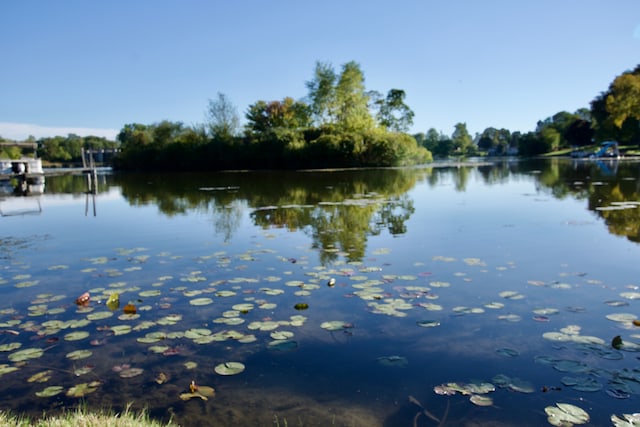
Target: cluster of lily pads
246 310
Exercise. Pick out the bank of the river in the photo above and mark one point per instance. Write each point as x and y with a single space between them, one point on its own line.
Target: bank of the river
82 417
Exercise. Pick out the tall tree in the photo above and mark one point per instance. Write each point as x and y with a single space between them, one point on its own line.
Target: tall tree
462 142
352 100
394 114
222 118
322 93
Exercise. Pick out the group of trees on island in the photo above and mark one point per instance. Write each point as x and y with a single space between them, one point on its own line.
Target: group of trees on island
342 124
339 124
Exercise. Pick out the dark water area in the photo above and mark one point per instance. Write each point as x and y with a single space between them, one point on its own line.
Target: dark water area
476 294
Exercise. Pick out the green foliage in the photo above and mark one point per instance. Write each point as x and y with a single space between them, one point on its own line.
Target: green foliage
393 113
281 134
462 142
322 93
69 149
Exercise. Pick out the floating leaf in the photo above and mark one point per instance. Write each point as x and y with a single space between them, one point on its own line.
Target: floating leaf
281 335
190 365
99 315
83 389
26 354
5 369
40 377
11 346
480 400
150 293
79 354
120 329
334 325
566 415
50 391
201 301
630 420
229 368
131 372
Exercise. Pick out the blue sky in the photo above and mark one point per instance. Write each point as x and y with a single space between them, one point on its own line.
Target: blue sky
90 67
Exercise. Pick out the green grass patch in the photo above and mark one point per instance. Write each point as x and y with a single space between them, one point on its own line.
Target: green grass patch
83 417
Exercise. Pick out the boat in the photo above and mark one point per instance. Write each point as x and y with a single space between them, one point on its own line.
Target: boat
23 175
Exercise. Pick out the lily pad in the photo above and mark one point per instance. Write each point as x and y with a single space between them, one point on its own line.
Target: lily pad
201 301
566 415
50 391
229 368
480 400
333 325
75 336
79 354
131 372
26 354
630 420
40 377
5 369
83 389
99 315
11 346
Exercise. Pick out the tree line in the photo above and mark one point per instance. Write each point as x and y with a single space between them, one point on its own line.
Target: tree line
342 124
339 124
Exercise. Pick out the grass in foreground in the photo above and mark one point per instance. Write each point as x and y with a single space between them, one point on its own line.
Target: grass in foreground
82 417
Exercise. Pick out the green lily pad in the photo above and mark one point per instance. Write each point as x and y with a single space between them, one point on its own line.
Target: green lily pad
480 400
79 354
150 293
99 315
75 336
26 354
5 369
50 391
333 325
40 377
131 372
201 301
281 335
120 329
630 420
81 390
10 346
229 368
566 415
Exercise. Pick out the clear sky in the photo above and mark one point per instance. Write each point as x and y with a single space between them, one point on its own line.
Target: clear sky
90 67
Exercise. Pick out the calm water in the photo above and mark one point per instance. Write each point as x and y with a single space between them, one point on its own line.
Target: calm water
515 274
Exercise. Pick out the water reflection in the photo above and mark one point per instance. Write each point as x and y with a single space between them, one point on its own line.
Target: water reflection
340 209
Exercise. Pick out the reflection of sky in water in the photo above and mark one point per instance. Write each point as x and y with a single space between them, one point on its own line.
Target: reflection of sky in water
517 233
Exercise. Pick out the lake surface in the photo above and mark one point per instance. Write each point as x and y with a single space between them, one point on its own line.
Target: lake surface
475 294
